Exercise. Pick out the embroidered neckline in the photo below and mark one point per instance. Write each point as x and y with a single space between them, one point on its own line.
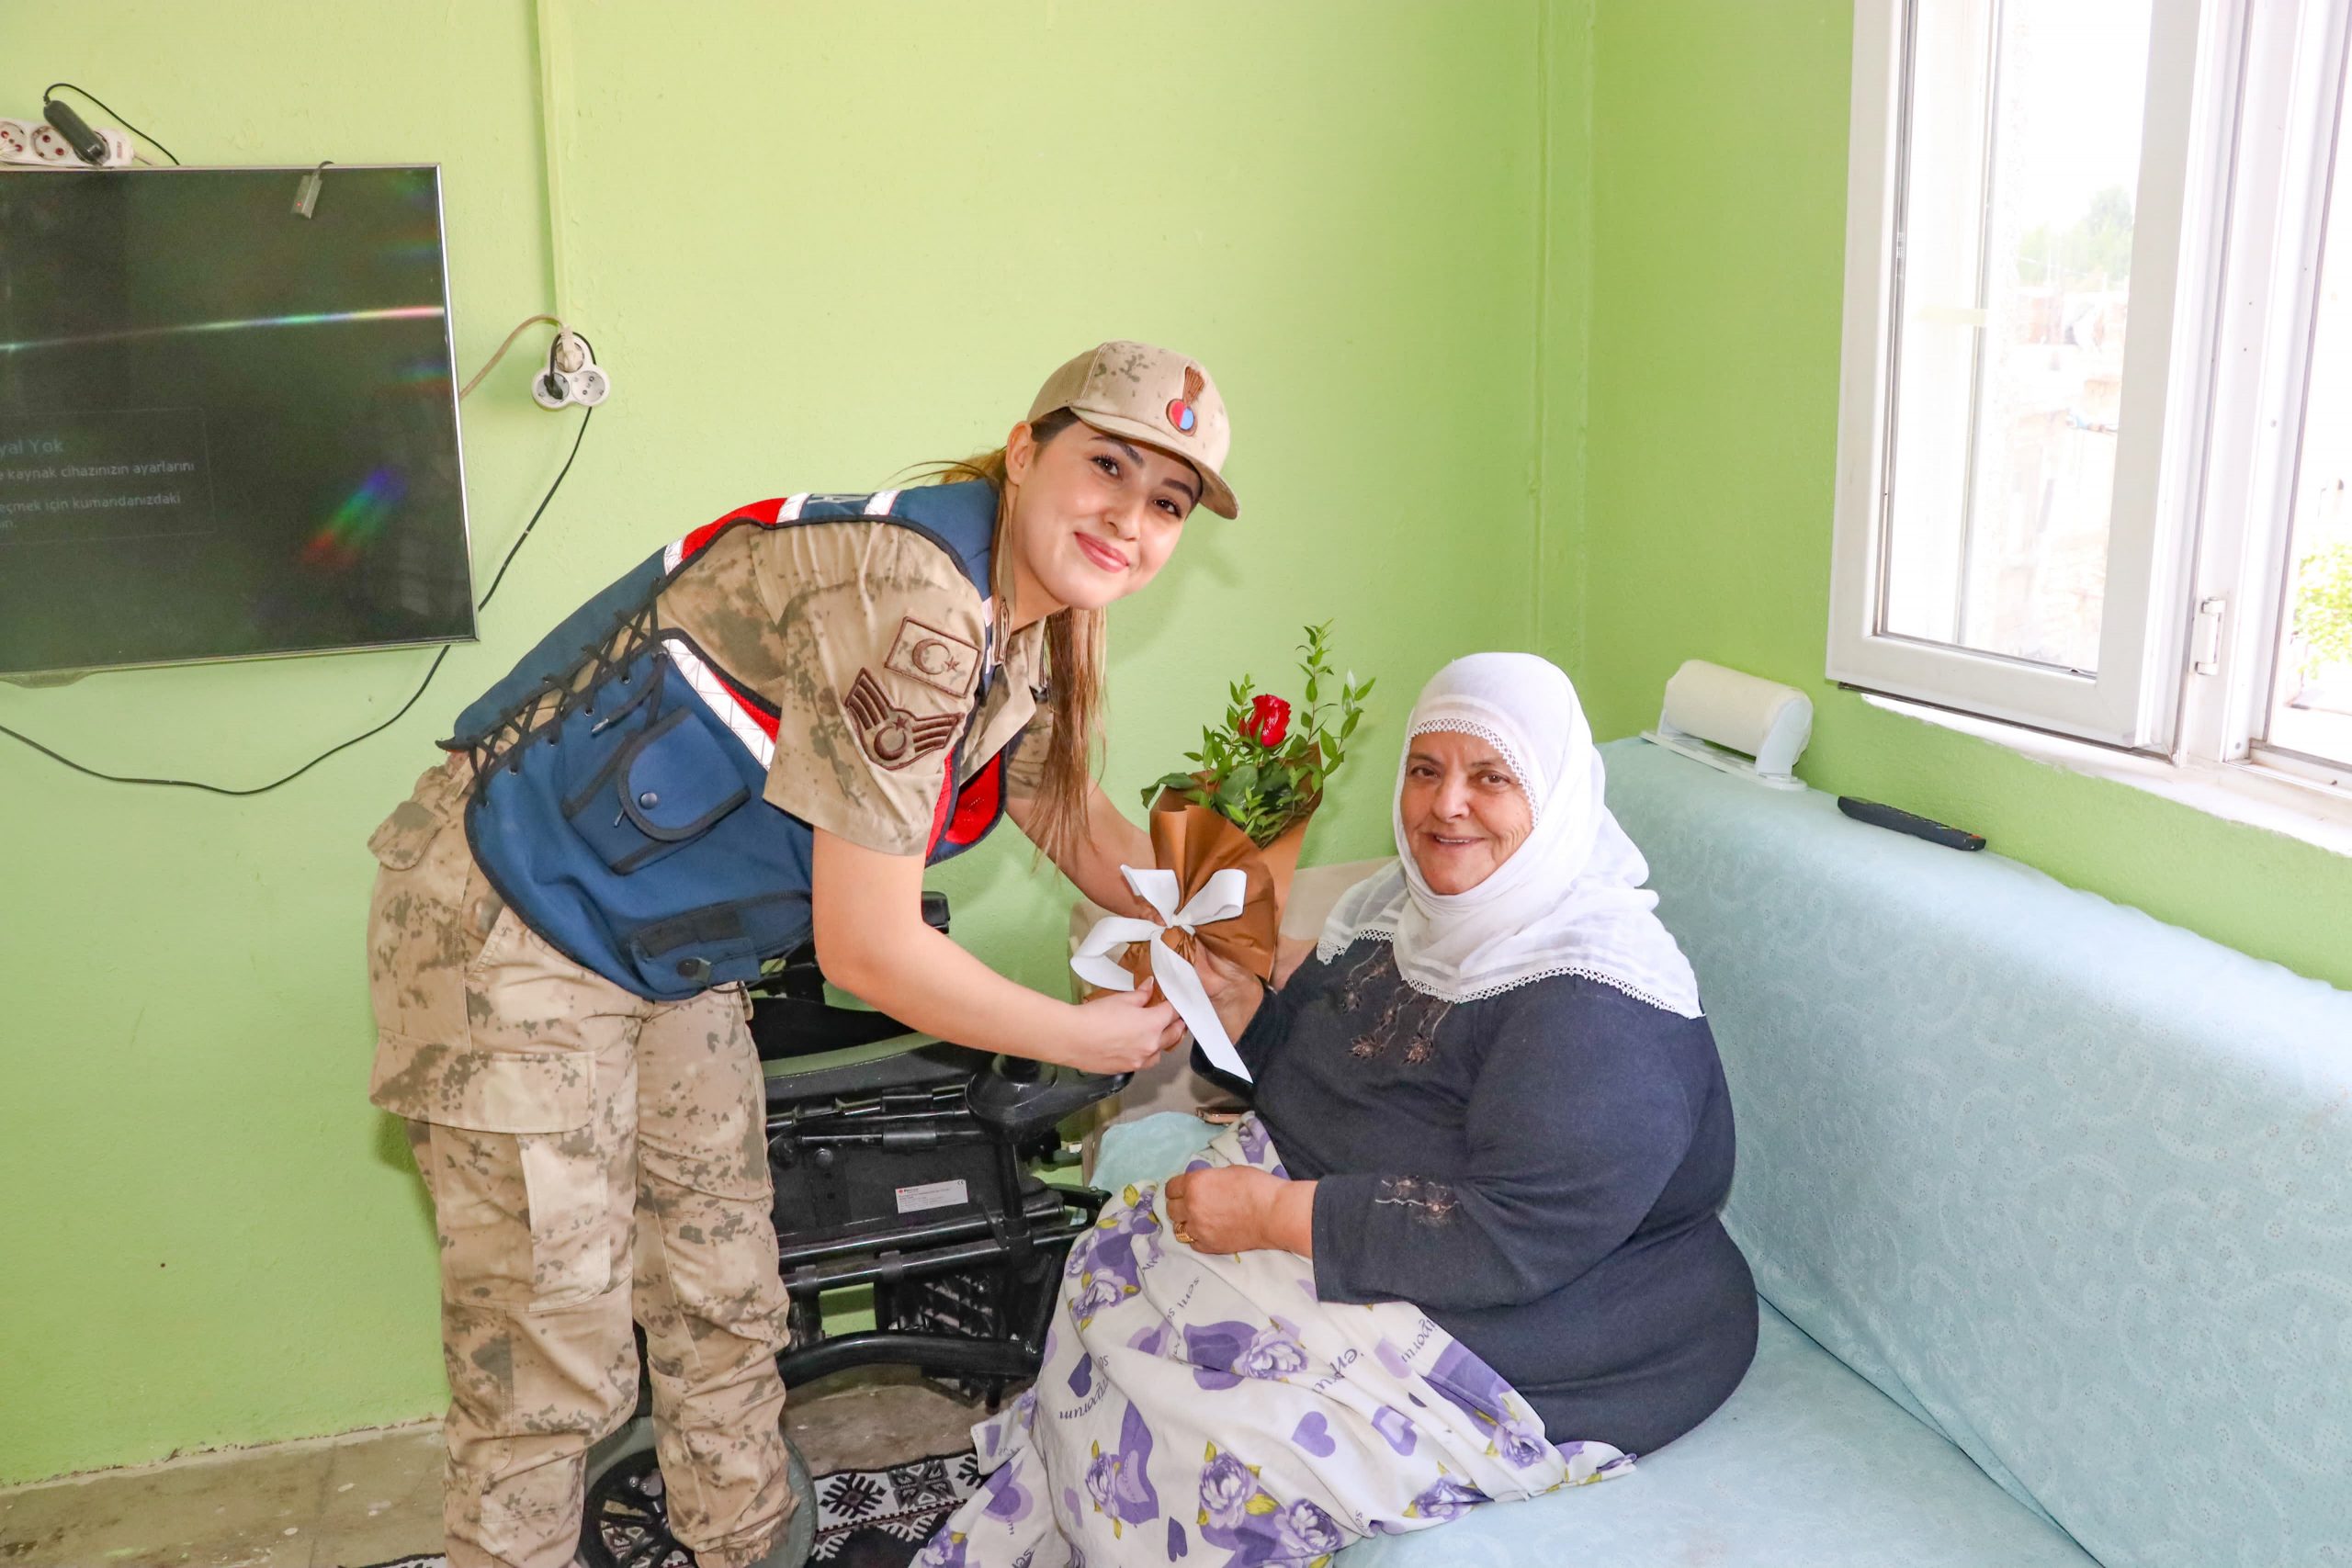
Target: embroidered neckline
1483 993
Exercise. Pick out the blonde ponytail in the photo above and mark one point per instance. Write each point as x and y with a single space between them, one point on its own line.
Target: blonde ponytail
1076 649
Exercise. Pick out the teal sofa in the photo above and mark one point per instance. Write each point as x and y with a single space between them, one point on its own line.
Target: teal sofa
2050 1206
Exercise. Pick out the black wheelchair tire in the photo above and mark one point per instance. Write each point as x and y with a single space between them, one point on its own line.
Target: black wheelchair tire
616 1469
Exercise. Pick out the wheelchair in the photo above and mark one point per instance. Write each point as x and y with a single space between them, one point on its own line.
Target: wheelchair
902 1164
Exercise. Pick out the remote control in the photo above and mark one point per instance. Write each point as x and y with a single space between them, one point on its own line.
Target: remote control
1927 828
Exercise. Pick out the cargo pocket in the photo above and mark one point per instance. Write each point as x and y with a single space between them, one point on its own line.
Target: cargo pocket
527 1221
660 791
577 1232
483 1089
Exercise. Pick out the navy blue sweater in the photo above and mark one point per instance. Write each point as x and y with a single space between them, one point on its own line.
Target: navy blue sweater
1539 1171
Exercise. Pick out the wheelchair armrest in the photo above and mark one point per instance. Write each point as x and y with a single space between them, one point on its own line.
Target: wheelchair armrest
1019 1107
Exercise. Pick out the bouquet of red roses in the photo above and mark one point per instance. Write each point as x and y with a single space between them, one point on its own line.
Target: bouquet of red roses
1260 772
1225 839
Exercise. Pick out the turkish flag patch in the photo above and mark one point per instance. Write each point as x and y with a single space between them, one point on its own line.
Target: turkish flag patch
946 663
888 733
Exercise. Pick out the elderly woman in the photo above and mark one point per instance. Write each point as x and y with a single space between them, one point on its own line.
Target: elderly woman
1489 1113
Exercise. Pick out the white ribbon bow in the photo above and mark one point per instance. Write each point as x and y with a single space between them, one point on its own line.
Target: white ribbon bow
1220 898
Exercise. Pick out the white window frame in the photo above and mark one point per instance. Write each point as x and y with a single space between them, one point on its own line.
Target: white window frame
2294 59
2235 166
2133 698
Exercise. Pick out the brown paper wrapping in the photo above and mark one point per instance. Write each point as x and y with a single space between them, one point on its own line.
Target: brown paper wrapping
1196 843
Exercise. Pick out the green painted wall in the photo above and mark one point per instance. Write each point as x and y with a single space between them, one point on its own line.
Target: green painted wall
1528 315
814 243
1717 230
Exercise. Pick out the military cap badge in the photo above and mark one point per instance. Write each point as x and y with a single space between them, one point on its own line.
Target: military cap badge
1180 413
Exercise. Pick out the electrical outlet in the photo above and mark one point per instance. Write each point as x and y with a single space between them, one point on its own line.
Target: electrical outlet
50 148
34 144
576 381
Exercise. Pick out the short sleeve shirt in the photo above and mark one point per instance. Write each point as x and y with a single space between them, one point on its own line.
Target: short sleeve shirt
877 655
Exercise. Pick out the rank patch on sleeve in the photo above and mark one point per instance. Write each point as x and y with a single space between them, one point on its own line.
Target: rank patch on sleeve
889 734
932 657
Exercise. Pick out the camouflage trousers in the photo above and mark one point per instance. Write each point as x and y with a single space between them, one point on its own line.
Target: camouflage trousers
591 1156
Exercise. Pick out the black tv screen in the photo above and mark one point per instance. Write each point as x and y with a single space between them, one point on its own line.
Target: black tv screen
226 431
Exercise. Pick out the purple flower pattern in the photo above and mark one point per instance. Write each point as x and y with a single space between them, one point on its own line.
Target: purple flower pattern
945 1549
1478 1390
1071 1463
1120 1481
1122 1244
1272 1352
1215 1350
1446 1498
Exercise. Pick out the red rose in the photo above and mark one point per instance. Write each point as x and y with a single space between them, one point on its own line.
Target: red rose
1267 721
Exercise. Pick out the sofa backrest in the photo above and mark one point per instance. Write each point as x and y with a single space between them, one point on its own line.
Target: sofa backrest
2072 1185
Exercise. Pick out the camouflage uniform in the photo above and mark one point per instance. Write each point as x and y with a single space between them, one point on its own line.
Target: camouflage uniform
591 1152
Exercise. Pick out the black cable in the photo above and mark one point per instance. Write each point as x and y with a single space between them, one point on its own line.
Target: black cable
585 415
50 91
344 746
259 789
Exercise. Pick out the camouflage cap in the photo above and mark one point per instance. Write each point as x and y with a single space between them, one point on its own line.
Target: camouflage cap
1155 396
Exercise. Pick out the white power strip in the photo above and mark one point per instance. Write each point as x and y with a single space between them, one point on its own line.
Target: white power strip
572 378
34 144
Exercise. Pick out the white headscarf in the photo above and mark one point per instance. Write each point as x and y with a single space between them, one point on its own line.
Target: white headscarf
1568 901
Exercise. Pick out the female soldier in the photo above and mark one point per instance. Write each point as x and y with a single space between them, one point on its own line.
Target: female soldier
767 730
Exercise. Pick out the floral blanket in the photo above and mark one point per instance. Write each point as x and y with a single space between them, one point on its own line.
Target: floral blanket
1209 1409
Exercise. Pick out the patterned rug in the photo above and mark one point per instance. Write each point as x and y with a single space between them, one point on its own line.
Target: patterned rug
880 1518
865 1519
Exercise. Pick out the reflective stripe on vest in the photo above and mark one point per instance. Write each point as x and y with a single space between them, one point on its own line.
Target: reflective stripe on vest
628 827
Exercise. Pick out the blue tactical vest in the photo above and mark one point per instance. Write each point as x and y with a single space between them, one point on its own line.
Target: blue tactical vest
627 826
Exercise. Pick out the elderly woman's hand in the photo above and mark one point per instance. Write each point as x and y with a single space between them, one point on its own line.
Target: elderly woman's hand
1231 1208
1234 991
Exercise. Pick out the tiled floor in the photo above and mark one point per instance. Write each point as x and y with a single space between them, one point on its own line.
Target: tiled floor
340 1502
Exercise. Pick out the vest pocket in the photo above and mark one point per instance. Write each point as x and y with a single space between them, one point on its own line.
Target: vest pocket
663 788
723 942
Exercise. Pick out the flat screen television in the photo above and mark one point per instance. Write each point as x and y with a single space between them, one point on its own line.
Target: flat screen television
226 431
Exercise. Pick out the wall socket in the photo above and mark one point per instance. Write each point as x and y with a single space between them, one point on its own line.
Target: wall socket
575 379
34 144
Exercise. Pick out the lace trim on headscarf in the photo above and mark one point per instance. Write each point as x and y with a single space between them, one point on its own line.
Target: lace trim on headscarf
1520 773
1482 993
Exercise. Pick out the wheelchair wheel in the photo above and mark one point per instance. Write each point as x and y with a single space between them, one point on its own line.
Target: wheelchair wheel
627 1523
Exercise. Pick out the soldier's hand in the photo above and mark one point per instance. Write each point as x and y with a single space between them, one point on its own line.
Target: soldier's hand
1121 1032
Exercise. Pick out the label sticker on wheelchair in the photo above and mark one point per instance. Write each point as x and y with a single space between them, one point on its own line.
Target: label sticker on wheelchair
932 1195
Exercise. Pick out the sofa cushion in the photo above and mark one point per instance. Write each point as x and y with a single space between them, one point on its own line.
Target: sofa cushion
2072 1186
1808 1466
